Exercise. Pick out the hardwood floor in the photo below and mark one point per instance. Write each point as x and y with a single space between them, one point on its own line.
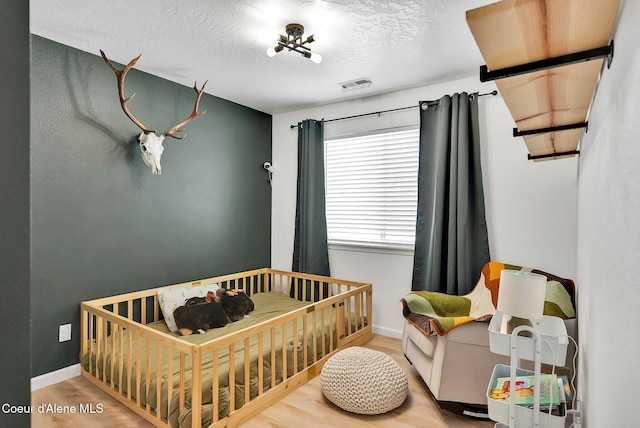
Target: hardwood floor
305 406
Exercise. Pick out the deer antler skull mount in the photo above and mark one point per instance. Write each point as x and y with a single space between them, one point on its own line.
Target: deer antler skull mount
150 143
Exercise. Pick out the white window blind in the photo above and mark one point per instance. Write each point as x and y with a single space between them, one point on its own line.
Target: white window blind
371 188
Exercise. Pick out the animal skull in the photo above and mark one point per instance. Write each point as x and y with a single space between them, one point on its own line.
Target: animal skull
150 143
151 148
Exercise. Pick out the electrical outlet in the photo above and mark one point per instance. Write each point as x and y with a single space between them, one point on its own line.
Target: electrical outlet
577 420
579 393
64 333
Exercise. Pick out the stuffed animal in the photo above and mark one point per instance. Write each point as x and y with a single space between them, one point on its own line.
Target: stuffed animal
200 314
236 304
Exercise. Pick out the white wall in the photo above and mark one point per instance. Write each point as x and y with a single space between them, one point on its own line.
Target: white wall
609 236
531 207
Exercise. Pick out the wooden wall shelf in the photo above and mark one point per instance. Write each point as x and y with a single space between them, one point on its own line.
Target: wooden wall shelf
546 57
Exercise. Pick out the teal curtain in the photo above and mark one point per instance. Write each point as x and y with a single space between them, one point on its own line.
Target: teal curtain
452 243
310 249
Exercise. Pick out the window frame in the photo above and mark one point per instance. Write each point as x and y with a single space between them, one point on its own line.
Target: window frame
370 246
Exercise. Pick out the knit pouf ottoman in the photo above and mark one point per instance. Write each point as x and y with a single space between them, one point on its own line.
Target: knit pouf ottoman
364 381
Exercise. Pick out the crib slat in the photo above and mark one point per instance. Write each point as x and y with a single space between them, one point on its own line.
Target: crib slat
293 283
196 387
358 320
273 357
182 381
323 335
361 311
232 378
84 342
138 362
340 324
156 317
247 371
260 364
294 341
348 313
169 379
369 306
93 369
147 377
129 353
158 378
215 385
102 334
115 328
121 360
305 341
314 337
285 372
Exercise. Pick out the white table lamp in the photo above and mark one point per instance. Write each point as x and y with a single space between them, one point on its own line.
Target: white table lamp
521 297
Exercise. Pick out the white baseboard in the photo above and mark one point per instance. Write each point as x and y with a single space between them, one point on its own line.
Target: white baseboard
389 332
55 377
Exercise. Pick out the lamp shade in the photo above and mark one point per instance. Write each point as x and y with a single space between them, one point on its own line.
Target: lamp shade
521 294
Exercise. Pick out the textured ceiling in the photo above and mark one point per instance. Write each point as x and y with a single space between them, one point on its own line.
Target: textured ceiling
397 44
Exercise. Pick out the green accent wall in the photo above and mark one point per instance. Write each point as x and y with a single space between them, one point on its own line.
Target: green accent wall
15 334
102 224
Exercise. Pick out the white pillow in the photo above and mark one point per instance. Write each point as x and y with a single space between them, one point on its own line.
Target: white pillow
170 298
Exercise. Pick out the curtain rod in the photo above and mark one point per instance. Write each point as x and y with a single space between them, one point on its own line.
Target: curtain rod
494 92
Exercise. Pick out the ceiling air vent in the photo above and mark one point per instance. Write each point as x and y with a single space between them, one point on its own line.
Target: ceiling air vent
352 85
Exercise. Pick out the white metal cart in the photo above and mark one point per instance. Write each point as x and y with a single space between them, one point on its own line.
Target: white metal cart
547 345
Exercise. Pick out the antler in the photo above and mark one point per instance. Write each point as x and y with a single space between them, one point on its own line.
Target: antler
194 114
120 74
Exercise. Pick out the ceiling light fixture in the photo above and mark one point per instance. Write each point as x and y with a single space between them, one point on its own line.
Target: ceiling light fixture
293 42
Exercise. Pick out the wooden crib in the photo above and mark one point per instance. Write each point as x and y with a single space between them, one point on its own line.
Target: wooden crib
299 322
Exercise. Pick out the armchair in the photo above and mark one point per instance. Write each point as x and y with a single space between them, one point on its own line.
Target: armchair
446 337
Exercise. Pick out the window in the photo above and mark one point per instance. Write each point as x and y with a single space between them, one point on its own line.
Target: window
371 188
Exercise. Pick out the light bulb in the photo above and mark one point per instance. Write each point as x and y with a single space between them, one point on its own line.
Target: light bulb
271 52
317 58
